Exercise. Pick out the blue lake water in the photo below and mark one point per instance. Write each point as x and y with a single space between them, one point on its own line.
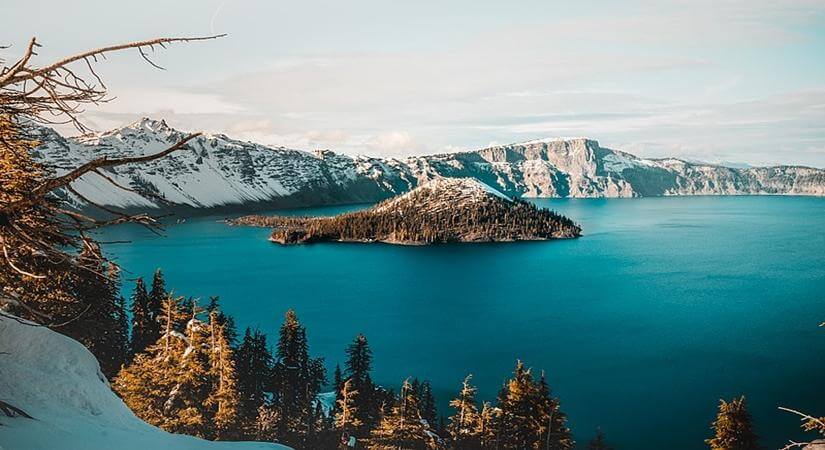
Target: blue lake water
664 306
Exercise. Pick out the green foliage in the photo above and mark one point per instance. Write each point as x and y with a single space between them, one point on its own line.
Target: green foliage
465 426
403 427
296 382
733 429
184 382
253 362
530 418
145 329
598 442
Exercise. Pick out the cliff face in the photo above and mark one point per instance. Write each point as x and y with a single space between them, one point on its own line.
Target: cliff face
217 171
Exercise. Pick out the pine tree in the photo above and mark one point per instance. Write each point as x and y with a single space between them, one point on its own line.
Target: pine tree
193 381
465 427
224 397
338 384
297 379
148 384
253 363
599 442
144 325
124 345
369 401
154 303
530 418
733 427
403 427
346 419
489 425
554 432
96 284
429 412
226 321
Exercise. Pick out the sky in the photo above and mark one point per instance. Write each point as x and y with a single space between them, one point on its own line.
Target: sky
715 80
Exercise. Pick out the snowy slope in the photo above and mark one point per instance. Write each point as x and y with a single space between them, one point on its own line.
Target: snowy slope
58 382
217 171
443 193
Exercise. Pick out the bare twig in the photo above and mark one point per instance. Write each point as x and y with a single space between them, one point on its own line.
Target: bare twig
105 161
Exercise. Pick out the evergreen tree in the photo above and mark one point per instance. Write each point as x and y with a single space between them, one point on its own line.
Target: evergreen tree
148 384
402 427
369 401
554 432
224 398
184 382
489 425
95 283
429 412
465 425
346 418
530 418
733 427
599 442
154 304
297 379
253 362
143 323
338 384
124 345
224 320
193 381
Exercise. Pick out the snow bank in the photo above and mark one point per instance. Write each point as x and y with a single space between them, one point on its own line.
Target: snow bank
58 382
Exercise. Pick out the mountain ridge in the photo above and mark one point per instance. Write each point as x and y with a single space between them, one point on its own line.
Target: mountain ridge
215 171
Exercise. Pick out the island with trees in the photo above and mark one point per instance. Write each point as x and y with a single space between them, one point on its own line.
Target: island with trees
439 211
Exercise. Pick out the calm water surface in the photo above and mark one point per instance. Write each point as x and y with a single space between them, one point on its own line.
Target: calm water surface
663 306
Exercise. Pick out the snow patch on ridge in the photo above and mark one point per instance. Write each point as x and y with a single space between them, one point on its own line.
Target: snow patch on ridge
58 382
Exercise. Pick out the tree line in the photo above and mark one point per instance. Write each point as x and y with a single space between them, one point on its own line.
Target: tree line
184 368
189 372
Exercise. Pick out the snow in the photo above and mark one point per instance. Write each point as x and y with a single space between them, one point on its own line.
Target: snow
617 162
553 139
327 401
58 382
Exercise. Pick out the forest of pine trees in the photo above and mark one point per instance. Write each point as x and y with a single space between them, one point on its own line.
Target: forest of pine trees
181 366
185 371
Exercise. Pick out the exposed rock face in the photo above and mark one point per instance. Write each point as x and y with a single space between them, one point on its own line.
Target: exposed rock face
438 211
217 171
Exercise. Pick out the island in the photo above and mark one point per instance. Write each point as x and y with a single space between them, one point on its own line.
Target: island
441 210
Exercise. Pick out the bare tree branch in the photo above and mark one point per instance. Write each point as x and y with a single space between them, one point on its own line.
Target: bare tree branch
103 162
99 51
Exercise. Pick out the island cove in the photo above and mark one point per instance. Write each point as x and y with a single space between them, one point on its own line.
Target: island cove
439 211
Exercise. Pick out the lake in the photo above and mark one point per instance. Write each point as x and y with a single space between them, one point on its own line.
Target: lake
664 306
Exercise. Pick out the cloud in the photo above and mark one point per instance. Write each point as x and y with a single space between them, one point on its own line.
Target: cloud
703 78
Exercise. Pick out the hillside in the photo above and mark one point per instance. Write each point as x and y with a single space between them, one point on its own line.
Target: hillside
58 382
216 171
438 211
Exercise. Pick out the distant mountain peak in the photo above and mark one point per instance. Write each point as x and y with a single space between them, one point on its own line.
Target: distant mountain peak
150 124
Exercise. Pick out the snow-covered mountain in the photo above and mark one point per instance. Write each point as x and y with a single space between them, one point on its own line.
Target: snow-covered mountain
57 382
217 171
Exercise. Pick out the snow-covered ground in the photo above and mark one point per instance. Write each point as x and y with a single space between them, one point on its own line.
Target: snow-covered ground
58 382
